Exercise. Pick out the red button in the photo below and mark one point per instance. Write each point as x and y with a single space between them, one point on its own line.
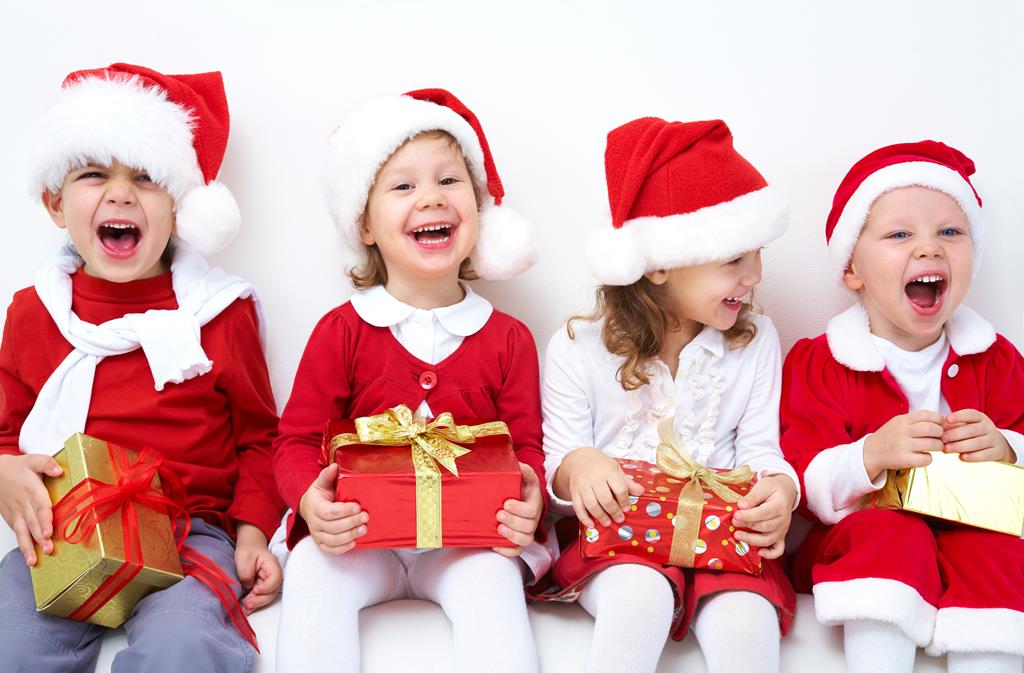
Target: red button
428 380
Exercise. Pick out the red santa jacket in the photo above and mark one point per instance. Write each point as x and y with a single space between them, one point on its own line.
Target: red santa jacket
836 390
351 368
215 431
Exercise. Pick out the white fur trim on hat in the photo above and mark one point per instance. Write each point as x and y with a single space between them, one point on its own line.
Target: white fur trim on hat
978 630
367 139
621 256
208 218
882 600
908 174
121 118
504 248
359 147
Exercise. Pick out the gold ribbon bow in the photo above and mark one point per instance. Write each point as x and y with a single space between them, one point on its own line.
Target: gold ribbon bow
431 444
675 461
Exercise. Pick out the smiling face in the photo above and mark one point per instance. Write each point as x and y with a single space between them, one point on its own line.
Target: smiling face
912 265
422 211
118 220
710 294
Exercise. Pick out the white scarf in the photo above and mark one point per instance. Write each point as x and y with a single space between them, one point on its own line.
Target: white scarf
169 339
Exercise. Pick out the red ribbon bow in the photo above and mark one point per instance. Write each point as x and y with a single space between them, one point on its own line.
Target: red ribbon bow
91 501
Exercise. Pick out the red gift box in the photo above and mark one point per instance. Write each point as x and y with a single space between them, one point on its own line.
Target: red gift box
683 518
427 485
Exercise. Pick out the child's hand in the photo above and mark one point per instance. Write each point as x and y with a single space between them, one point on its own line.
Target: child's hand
519 518
905 441
333 525
258 569
597 486
766 512
24 502
975 437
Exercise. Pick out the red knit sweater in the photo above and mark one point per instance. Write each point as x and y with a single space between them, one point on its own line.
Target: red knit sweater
215 431
351 368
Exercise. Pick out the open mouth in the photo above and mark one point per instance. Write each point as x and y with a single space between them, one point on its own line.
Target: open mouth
925 292
119 238
733 302
433 235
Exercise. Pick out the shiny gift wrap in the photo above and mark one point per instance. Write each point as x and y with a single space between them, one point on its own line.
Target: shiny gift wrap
683 518
984 495
128 554
424 484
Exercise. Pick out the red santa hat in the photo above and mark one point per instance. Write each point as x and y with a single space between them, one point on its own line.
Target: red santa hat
923 164
367 139
680 195
174 127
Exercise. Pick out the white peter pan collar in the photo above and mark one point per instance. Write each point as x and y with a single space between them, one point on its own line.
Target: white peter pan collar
849 337
710 339
379 308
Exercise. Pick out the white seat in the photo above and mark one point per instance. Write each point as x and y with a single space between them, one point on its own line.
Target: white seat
563 635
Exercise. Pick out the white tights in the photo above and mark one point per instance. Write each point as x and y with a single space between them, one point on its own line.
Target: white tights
632 607
878 647
479 590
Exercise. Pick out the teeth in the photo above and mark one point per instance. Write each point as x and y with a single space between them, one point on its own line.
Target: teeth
120 226
927 279
435 227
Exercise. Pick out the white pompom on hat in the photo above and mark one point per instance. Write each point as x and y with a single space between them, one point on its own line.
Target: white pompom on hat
371 134
174 127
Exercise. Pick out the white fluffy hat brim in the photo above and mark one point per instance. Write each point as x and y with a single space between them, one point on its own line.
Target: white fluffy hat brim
363 144
719 232
100 120
908 174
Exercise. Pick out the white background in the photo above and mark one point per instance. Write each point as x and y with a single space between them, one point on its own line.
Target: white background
807 88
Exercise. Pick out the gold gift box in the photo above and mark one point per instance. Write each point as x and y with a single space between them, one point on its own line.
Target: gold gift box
64 580
986 495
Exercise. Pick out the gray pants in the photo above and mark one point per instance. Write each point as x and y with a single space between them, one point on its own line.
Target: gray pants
183 628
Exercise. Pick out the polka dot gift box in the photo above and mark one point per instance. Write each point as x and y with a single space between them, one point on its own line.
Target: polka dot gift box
683 518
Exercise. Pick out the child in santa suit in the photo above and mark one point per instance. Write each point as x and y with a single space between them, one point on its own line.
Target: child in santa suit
129 336
414 191
673 336
904 372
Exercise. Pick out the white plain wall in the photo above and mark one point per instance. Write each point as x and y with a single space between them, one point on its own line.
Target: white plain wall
807 87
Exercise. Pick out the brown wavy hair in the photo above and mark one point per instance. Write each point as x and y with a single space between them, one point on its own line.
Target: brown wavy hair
374 271
635 322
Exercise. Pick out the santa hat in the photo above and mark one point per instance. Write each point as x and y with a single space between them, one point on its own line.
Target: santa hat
174 127
371 134
680 195
922 164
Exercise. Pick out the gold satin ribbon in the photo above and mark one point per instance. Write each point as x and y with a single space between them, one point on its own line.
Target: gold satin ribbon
673 460
431 444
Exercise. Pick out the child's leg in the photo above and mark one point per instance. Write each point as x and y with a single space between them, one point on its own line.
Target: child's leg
632 607
738 631
482 594
983 662
877 647
320 604
982 608
185 627
32 641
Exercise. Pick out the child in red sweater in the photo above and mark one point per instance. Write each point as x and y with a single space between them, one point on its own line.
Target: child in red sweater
129 336
900 377
414 190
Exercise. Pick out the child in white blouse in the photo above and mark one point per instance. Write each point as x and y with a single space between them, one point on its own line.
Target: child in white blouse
673 336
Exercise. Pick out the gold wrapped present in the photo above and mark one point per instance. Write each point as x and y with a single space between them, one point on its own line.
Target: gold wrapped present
986 495
113 538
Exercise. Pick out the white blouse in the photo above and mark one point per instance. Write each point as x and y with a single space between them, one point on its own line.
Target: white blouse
725 402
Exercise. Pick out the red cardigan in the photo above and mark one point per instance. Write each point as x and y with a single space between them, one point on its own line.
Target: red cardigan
351 368
215 431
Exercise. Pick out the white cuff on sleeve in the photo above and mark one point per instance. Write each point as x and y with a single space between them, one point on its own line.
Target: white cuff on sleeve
836 480
1016 441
